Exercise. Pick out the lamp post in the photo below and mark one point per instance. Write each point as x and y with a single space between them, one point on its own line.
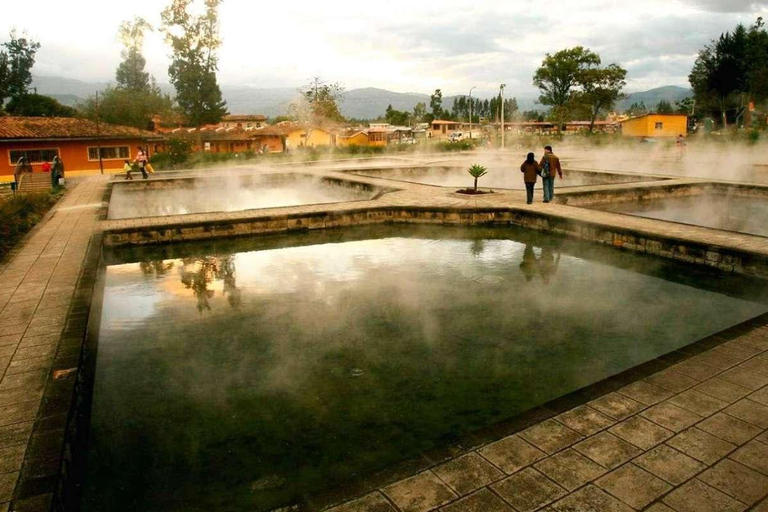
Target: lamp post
501 94
470 111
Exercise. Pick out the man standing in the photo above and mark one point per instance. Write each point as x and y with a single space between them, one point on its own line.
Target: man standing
550 165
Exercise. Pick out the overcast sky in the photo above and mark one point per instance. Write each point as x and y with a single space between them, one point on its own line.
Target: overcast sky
405 46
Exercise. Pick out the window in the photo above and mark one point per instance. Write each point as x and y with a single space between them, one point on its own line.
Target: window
33 156
110 153
659 126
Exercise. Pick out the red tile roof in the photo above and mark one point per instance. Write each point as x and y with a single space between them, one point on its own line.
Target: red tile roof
25 128
234 118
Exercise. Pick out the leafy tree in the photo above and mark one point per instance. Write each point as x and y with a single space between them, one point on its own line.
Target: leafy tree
130 73
436 104
37 105
664 107
559 76
396 117
323 102
16 61
129 107
601 88
684 106
194 40
637 109
419 112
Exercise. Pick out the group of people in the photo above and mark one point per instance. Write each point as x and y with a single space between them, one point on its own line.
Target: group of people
55 167
141 163
547 168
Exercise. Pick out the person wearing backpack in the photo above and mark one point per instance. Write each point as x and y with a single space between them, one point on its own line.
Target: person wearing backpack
550 165
530 170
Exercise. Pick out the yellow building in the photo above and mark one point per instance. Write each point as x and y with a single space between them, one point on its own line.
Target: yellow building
356 139
656 125
310 137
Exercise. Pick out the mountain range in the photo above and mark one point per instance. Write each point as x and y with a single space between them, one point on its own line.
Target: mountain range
364 103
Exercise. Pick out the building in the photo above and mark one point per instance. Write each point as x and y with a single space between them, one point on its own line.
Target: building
441 129
75 141
656 125
245 122
304 136
353 138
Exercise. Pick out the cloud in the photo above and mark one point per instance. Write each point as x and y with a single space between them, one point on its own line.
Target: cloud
734 6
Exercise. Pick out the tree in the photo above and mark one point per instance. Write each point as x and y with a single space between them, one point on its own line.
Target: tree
558 77
323 101
664 107
637 109
129 107
130 73
396 117
477 171
436 104
601 88
16 61
419 112
194 40
685 106
37 105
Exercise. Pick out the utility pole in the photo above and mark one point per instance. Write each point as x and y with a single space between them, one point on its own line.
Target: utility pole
501 94
470 111
98 134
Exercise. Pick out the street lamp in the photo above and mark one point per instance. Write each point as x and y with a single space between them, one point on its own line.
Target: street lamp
470 111
501 93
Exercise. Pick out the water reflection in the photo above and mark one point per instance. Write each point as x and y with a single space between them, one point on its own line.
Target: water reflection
198 273
545 265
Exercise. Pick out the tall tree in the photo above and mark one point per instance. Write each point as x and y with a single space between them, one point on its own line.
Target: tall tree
664 107
127 107
16 61
194 40
419 112
558 77
323 100
130 73
37 105
601 88
436 104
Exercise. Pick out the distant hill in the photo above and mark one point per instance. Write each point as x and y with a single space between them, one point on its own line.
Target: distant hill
365 103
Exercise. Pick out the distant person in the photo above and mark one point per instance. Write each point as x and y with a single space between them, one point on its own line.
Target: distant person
128 168
46 167
141 161
680 146
550 165
57 171
530 170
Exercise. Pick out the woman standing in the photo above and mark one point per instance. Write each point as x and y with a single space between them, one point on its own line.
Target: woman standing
530 170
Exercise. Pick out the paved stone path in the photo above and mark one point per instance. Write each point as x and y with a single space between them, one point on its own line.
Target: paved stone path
691 438
37 285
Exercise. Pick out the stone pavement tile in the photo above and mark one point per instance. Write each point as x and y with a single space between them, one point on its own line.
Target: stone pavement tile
737 481
19 412
758 364
669 464
528 490
696 496
755 339
640 432
8 330
672 380
616 406
701 445
26 365
736 350
745 378
633 486
760 396
7 485
550 436
18 433
468 473
373 502
697 402
607 450
11 339
481 501
20 395
754 454
659 507
749 411
722 389
590 499
570 469
696 369
761 507
728 428
419 493
36 351
585 420
27 380
11 458
717 359
511 454
671 416
645 393
34 341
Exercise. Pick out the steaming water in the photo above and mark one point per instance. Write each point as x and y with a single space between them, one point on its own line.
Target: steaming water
225 195
503 177
245 375
712 210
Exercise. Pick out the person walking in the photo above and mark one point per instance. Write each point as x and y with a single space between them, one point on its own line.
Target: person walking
128 168
141 161
550 165
57 172
530 170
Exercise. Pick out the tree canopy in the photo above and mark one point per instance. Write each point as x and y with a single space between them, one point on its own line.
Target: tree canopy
130 73
37 105
17 58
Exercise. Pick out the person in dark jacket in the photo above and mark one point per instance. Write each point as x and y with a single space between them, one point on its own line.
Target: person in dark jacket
550 166
530 170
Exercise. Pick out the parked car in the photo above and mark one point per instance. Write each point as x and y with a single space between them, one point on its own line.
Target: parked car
456 137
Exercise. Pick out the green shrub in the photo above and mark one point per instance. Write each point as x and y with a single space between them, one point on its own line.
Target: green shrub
20 213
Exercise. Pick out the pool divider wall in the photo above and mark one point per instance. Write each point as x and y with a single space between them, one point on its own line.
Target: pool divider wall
728 259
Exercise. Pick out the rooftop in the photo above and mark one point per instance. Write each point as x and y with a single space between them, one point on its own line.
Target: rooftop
24 128
234 118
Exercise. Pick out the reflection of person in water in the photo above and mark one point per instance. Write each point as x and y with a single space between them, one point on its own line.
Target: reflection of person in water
529 264
548 264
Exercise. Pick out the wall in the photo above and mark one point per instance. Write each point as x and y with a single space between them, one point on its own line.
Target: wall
358 139
673 125
74 154
317 138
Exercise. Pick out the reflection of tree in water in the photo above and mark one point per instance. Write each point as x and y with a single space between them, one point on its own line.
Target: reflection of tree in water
198 273
477 247
155 268
529 263
546 265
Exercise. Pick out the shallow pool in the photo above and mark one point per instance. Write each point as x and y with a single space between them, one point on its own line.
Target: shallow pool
248 374
153 198
711 210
